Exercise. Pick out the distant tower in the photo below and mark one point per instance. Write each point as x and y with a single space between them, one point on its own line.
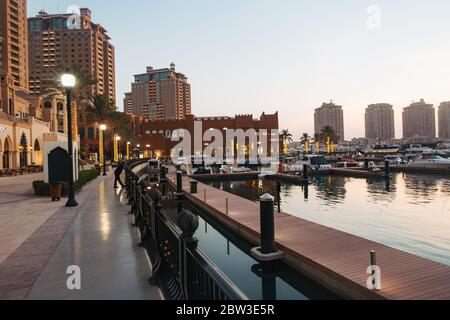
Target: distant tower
172 66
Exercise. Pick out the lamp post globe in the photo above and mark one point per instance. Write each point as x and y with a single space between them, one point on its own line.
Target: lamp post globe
68 81
103 128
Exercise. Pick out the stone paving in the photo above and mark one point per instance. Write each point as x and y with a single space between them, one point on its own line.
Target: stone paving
21 212
97 236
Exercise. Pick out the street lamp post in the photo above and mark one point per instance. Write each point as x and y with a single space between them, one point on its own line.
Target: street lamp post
68 82
103 129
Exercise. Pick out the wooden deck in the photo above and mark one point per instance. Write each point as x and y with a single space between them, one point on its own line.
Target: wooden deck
333 258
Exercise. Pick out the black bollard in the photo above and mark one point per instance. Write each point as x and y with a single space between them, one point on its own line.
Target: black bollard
366 164
305 172
179 191
386 167
267 224
279 196
194 185
163 172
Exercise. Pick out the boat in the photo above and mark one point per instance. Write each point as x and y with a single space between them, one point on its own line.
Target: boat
394 159
430 161
382 150
314 162
347 162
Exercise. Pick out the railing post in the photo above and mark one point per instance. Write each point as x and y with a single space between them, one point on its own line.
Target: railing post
179 191
366 164
188 223
305 172
267 251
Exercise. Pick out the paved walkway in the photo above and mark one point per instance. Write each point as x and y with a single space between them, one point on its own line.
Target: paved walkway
98 237
21 212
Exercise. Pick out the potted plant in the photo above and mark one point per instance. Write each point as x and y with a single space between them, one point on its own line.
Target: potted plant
56 190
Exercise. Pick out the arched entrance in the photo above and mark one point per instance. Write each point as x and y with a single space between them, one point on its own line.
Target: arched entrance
6 159
38 160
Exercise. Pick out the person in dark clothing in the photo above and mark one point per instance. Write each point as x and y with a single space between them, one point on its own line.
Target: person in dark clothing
117 174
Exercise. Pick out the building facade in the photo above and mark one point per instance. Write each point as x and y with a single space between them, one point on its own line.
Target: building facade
155 136
331 115
161 94
444 120
379 121
419 121
56 45
128 103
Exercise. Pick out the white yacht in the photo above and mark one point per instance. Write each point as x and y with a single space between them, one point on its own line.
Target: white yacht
430 161
314 162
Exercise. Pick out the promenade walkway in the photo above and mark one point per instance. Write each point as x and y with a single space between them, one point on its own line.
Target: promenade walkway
96 236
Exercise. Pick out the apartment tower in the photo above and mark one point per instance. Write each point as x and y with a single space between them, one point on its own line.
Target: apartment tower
60 42
379 121
128 103
161 94
419 121
444 120
331 115
13 55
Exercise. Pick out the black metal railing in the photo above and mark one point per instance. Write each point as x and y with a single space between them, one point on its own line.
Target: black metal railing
179 267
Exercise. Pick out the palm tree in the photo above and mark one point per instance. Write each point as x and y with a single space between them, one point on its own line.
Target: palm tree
286 137
305 140
329 134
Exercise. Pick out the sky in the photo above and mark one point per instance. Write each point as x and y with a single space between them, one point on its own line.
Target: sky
250 56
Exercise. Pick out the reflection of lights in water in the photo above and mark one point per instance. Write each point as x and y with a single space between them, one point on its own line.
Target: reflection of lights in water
231 185
105 223
260 184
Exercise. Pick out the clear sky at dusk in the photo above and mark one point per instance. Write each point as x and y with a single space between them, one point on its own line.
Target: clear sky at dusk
249 56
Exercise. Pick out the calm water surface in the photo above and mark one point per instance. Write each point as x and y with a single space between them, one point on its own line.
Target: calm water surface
409 212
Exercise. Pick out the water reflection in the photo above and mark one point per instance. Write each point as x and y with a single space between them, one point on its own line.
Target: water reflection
389 211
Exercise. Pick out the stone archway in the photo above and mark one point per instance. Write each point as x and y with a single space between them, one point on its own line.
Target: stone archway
23 151
38 155
7 155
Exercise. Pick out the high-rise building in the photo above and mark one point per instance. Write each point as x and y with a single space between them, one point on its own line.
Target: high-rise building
380 122
13 56
419 121
58 43
444 120
128 103
331 115
161 94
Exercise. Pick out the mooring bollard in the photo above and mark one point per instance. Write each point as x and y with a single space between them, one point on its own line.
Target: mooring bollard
373 258
366 164
386 167
179 191
194 185
305 172
267 224
163 172
179 182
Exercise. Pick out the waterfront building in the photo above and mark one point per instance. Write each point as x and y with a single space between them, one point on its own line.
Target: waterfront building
55 45
26 121
419 121
155 136
444 120
331 115
161 94
379 122
128 103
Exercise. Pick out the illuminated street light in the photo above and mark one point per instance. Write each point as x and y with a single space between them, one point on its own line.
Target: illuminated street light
68 81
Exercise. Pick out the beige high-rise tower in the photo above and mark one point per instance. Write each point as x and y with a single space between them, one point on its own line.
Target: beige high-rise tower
13 54
331 115
444 120
419 121
379 121
161 94
56 44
